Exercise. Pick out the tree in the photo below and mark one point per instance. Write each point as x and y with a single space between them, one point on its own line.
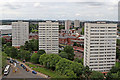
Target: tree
65 64
3 41
41 52
49 60
96 75
24 54
117 53
63 54
70 74
109 76
82 33
118 42
78 60
114 69
75 44
8 44
35 58
11 51
4 58
70 52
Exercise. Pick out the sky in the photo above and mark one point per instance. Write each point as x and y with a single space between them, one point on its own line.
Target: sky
59 9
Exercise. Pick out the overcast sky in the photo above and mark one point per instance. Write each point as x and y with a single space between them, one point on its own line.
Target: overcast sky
59 10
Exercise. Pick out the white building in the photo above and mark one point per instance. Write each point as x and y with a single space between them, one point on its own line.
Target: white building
48 36
20 33
6 29
67 24
76 23
100 46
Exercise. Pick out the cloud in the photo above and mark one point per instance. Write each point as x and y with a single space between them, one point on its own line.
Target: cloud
77 14
13 5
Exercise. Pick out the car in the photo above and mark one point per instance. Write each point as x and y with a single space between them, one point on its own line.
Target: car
21 65
27 70
8 58
11 61
17 62
34 72
24 67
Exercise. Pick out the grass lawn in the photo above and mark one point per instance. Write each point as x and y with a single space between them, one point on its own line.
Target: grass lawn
48 72
117 64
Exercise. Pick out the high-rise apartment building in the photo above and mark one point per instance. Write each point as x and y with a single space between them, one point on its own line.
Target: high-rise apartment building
20 33
76 23
48 36
67 24
100 46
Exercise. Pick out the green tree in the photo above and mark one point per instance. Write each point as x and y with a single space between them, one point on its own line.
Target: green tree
24 54
118 42
117 53
63 54
97 75
8 44
49 60
41 52
70 74
3 41
4 58
114 75
65 64
70 52
82 33
78 60
114 69
35 58
75 44
109 76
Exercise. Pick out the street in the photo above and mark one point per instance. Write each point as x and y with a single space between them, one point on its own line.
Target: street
21 73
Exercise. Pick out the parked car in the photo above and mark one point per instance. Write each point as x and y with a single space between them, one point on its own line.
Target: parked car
16 61
21 65
8 58
11 61
24 67
27 70
34 72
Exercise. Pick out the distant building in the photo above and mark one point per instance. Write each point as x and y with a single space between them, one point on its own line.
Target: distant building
20 33
67 24
48 36
76 23
6 29
100 46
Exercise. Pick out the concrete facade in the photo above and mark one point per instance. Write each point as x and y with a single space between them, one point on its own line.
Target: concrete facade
76 23
48 36
20 33
67 24
100 46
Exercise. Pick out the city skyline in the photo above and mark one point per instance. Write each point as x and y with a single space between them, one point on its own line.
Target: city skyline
60 10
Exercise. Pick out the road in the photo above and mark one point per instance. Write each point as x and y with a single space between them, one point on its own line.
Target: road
21 73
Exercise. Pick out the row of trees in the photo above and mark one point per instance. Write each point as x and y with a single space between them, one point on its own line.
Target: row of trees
67 67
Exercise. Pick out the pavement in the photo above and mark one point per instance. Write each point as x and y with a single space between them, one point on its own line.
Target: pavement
21 73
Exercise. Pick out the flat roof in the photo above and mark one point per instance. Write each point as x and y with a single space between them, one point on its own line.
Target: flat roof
5 27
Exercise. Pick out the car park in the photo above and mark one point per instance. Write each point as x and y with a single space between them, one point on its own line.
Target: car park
34 72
